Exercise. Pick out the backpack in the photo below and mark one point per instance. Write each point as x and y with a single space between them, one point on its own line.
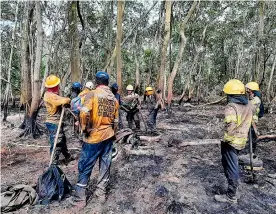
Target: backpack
16 197
52 185
76 105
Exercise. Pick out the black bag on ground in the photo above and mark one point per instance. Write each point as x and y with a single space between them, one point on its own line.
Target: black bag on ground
16 197
52 185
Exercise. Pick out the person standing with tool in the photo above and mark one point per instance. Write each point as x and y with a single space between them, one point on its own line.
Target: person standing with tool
114 88
99 120
54 104
238 119
154 102
132 105
254 95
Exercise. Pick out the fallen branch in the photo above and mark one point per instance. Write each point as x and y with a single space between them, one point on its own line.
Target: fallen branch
150 139
196 142
212 103
36 146
266 137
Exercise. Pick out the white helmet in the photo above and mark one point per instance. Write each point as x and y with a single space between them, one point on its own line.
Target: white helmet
129 88
89 85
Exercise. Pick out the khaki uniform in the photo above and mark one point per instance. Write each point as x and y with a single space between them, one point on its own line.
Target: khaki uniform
238 119
256 102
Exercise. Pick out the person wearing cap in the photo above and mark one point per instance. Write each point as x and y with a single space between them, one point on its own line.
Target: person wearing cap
88 87
114 88
132 103
54 103
76 89
238 119
154 102
254 95
99 119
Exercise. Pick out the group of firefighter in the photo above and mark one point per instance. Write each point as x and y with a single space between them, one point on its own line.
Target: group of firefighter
100 116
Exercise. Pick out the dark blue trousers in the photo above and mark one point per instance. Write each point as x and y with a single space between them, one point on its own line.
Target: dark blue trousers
231 167
89 155
61 144
152 119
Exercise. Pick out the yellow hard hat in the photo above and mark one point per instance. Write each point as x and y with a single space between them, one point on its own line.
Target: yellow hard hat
52 81
129 88
253 86
234 86
149 89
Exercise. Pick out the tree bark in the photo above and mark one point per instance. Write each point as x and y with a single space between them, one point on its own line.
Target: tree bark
168 8
120 14
8 89
260 54
179 57
268 93
137 71
74 38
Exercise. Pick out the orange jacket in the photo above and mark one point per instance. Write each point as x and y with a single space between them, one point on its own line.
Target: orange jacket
99 114
53 103
83 94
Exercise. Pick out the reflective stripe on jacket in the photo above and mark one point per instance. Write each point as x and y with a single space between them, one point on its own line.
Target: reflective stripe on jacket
238 119
256 101
98 114
53 103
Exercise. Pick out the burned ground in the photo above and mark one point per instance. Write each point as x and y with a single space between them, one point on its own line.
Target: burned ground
157 178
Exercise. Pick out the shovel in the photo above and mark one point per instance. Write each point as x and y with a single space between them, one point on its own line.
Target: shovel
251 154
56 137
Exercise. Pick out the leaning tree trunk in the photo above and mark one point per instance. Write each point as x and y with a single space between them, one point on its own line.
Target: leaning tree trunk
168 8
178 60
31 126
8 85
74 38
118 42
268 93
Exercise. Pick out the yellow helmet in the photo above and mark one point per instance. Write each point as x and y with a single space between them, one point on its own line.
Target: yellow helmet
52 81
234 86
253 86
129 88
149 89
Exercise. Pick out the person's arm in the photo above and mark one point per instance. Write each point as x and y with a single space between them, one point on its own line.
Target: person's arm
57 100
85 110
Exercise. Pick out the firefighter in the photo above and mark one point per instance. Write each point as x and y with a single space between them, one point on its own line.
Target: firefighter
88 87
238 119
54 103
132 105
114 89
254 95
154 102
76 89
99 119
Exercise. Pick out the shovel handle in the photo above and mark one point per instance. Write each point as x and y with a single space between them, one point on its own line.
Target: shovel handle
56 137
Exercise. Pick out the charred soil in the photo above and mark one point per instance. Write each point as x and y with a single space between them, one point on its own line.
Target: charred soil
156 178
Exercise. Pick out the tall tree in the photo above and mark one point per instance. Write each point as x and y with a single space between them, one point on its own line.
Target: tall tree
179 57
8 89
120 14
31 126
74 40
168 8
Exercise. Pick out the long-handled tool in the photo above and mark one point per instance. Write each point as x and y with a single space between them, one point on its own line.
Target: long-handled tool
56 137
251 153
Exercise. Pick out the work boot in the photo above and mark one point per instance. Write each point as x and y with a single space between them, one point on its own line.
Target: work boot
79 197
225 198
